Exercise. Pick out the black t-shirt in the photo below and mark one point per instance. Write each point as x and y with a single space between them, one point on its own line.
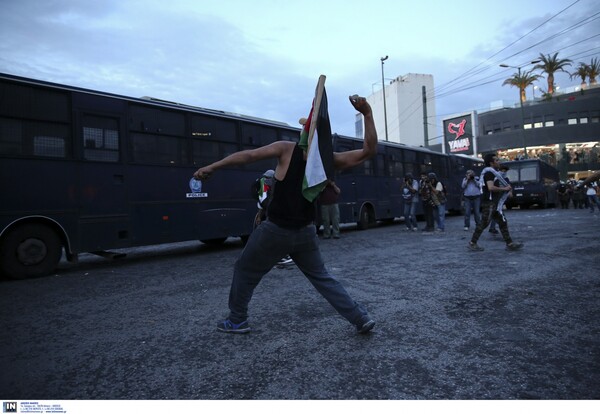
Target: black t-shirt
288 207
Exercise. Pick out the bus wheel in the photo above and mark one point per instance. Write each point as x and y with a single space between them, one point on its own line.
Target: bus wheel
30 250
214 242
366 219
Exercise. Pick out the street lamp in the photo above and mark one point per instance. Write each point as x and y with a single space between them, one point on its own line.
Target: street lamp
383 92
503 65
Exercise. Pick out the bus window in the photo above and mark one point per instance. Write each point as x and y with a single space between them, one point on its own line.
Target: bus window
290 136
380 165
51 145
206 152
206 127
257 135
395 167
528 173
42 139
156 121
100 139
157 149
513 175
410 156
425 161
11 135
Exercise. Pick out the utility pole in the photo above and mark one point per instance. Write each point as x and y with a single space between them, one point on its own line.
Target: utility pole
383 92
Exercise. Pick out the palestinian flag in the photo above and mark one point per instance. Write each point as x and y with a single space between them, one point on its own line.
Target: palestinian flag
316 139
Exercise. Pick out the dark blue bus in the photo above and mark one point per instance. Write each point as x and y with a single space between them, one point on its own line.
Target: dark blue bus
371 192
534 182
87 171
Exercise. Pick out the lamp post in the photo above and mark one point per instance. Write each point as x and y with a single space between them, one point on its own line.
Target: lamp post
518 68
383 92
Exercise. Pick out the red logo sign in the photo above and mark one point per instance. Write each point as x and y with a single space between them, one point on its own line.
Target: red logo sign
457 129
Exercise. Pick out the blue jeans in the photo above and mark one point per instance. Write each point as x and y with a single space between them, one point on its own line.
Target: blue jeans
409 214
472 204
269 243
330 216
593 200
439 214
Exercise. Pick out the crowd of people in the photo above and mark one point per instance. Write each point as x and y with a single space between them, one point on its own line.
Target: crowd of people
577 195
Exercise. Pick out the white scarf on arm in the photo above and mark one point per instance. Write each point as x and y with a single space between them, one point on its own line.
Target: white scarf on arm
502 182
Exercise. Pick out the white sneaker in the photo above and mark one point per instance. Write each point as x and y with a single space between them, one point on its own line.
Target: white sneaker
285 261
466 229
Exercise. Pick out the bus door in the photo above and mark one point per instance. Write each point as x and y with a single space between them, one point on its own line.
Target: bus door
102 183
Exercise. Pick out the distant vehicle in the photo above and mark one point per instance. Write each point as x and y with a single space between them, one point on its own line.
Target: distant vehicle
534 182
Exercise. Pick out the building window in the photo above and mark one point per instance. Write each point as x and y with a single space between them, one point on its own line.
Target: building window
527 126
572 121
549 123
583 120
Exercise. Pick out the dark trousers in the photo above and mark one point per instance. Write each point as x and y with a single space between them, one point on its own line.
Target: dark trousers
428 213
489 213
267 244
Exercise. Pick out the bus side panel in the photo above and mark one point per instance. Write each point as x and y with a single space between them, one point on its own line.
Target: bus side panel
164 208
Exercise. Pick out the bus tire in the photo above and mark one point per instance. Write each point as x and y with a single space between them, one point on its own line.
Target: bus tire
366 218
30 250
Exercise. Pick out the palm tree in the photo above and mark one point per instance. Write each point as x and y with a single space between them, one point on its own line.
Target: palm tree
522 81
551 65
581 71
593 71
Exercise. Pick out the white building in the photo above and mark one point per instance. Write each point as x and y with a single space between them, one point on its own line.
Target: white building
409 121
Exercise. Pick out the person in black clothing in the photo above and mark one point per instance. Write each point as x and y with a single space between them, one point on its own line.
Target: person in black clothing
290 228
494 189
425 194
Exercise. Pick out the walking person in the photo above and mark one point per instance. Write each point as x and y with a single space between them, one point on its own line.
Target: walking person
495 192
503 171
592 197
330 210
439 196
289 228
471 188
410 194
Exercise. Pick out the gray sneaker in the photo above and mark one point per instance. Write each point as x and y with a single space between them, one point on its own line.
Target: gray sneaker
475 247
364 327
514 246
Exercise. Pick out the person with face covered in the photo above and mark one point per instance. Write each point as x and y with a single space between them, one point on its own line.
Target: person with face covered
290 229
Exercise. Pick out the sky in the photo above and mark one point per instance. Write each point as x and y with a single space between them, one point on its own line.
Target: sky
263 57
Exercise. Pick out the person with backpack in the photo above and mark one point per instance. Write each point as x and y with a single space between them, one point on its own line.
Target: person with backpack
439 192
410 194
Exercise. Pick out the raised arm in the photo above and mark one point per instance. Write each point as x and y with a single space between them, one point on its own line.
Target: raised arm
349 159
281 150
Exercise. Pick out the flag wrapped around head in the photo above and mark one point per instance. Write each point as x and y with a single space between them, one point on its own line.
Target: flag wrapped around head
315 138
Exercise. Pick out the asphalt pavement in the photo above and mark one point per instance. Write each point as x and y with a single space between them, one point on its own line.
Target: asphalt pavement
451 323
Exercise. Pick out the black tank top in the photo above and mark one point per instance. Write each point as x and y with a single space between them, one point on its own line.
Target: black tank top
288 206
